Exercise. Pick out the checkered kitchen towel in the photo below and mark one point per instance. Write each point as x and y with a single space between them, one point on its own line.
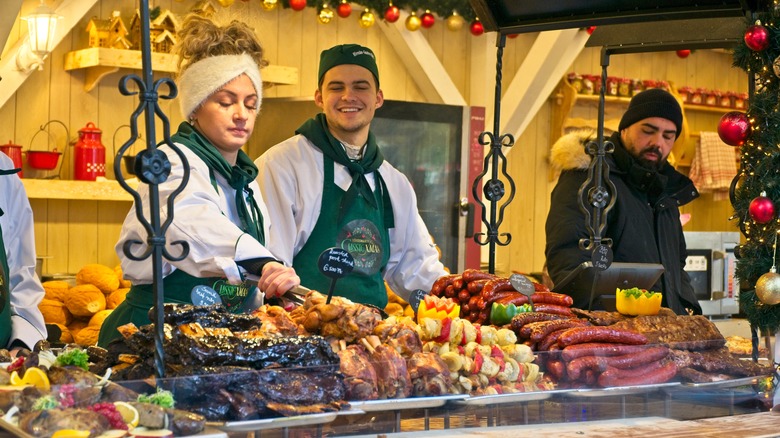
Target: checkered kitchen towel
714 166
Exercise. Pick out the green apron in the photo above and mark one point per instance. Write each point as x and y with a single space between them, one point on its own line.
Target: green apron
5 295
361 232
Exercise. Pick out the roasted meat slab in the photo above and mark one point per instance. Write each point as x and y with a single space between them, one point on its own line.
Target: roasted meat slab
679 331
360 377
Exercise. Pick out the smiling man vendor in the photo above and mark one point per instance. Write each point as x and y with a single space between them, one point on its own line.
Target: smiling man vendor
329 186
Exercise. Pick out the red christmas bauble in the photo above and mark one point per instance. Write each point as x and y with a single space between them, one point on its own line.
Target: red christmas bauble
298 5
683 53
477 28
762 209
513 35
427 19
392 13
734 128
344 9
590 30
757 37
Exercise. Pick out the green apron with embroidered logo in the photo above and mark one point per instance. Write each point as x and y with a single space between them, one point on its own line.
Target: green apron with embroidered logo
361 232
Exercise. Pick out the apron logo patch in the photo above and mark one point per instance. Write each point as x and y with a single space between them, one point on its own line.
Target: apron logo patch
233 295
362 239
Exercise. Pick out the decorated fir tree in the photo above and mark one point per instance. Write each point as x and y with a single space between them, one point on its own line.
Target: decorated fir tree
756 190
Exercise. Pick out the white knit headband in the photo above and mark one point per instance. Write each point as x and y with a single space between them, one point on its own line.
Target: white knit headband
205 77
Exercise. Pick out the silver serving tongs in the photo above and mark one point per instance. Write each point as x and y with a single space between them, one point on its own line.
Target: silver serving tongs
297 294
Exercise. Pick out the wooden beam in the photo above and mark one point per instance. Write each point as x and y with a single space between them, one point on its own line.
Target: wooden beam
550 56
71 11
422 63
10 13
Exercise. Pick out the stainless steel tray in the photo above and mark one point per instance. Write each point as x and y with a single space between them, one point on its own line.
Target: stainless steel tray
621 390
275 423
731 383
517 397
405 403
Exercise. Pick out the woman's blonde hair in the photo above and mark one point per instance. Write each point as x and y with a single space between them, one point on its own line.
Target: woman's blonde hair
201 37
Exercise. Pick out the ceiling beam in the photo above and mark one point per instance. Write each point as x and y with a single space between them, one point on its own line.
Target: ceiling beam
12 78
552 53
422 63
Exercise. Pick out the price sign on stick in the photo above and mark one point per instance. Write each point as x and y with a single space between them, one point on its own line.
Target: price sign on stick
522 284
204 296
335 263
415 298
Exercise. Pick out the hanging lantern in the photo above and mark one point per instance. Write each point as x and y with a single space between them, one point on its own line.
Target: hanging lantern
427 19
455 22
325 15
476 28
268 5
392 13
298 5
366 19
413 22
344 9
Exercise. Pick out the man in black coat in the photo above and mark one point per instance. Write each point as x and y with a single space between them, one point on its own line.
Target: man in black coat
644 223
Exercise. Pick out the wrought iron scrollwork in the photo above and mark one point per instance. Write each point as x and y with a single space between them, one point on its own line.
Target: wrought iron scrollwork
494 189
152 168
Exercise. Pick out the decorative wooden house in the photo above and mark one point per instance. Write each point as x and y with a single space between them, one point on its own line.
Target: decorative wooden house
163 28
204 8
108 32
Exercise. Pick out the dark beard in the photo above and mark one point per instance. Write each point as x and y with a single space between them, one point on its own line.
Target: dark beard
653 165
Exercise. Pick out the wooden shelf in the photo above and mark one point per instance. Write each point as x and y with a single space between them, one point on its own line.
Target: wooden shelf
108 190
99 62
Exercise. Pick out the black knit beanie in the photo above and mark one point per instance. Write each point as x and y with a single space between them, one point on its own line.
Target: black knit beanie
654 102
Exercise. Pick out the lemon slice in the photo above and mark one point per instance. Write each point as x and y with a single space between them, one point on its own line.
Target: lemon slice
70 433
15 380
128 412
36 377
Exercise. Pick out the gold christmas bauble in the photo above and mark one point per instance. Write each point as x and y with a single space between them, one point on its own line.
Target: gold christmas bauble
455 22
768 288
268 5
225 3
325 15
413 22
366 19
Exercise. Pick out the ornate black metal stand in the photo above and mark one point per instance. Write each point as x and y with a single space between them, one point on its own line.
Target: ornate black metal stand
152 167
600 190
494 187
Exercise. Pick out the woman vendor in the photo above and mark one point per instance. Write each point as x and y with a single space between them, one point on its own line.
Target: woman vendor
220 212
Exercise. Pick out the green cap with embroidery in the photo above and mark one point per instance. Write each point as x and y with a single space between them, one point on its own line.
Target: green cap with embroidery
347 54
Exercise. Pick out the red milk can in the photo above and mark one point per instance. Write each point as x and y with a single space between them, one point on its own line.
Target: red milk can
90 155
14 151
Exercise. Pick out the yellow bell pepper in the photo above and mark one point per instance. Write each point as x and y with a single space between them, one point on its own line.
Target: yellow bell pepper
637 302
437 308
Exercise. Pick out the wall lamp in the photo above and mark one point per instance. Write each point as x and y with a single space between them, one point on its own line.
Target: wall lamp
41 29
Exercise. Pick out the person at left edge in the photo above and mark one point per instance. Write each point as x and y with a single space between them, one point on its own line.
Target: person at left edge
220 212
329 185
21 322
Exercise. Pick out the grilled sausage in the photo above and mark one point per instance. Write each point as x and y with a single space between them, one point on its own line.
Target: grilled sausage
552 308
470 275
575 368
599 349
493 286
438 286
651 374
552 298
580 335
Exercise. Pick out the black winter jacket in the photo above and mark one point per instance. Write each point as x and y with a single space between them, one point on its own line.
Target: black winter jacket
644 223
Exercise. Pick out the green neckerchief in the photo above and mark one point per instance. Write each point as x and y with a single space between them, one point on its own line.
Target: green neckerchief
316 130
238 176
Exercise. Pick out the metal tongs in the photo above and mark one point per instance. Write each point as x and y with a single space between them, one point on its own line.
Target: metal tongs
297 294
